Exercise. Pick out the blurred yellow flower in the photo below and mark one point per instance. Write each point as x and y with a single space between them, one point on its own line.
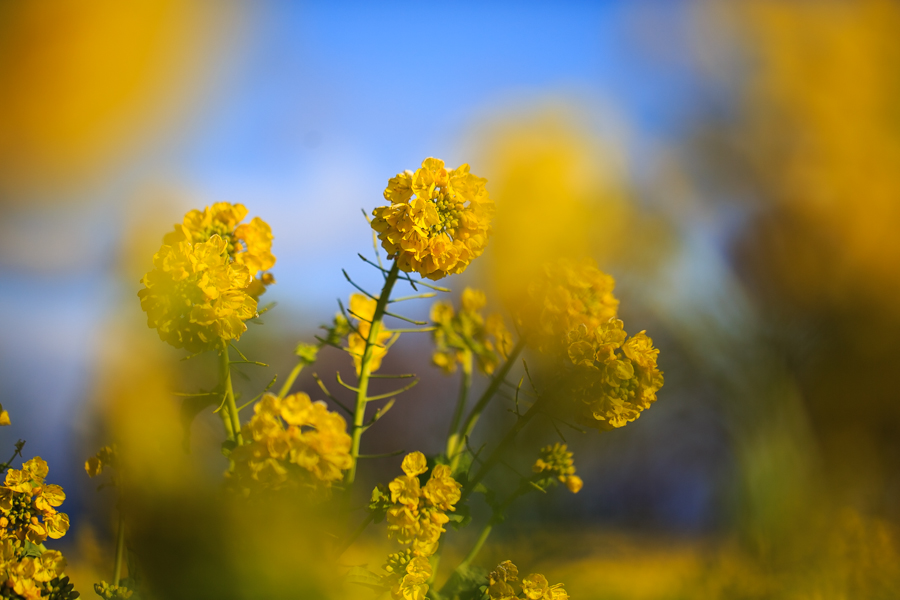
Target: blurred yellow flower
565 295
534 586
556 461
195 297
438 220
292 443
248 244
468 331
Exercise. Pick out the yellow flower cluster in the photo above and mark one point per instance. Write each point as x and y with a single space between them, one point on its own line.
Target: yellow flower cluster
363 308
28 515
196 296
33 577
533 587
28 505
567 294
248 244
292 443
457 334
419 513
556 460
438 220
407 576
616 376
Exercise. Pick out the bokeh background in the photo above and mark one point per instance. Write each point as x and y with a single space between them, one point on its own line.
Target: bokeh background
733 164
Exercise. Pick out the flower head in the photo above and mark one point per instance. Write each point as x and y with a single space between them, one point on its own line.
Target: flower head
248 244
195 296
556 461
416 514
438 220
28 505
293 443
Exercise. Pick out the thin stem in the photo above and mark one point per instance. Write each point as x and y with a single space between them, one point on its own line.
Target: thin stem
486 397
365 369
120 550
231 420
356 533
453 436
507 440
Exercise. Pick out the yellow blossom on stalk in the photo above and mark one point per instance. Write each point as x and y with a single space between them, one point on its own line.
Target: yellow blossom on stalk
556 460
28 505
407 576
4 417
457 334
438 220
363 309
195 297
248 244
534 586
416 514
292 443
566 294
615 377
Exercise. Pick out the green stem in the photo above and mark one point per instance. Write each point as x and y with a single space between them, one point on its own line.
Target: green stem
482 403
230 415
507 440
454 435
365 369
120 550
291 379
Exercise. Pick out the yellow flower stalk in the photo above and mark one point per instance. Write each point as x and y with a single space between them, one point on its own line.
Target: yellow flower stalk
438 220
195 297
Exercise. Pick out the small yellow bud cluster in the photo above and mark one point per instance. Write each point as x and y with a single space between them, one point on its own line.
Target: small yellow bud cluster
533 587
438 220
112 592
28 514
468 330
292 443
418 513
407 576
616 376
248 244
363 309
556 460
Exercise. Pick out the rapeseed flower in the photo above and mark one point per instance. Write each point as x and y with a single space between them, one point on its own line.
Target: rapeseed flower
565 295
363 309
407 576
415 513
293 443
459 333
195 296
438 221
248 244
533 587
613 378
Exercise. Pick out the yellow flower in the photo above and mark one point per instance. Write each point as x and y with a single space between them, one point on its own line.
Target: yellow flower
57 525
248 244
363 308
4 417
405 490
500 579
442 491
438 220
195 296
413 585
104 459
292 443
414 464
566 295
